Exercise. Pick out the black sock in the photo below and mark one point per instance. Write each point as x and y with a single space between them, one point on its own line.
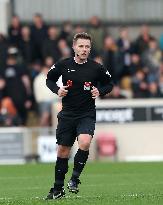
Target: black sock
61 169
79 163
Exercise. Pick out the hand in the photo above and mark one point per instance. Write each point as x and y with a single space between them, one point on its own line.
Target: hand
95 92
62 92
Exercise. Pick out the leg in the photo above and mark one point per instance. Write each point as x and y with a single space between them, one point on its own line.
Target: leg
65 135
85 130
61 166
63 151
80 160
61 169
65 139
84 141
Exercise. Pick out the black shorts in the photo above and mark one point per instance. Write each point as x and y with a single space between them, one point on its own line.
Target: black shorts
69 128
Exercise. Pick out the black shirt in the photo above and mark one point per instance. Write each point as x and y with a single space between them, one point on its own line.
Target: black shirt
14 85
79 98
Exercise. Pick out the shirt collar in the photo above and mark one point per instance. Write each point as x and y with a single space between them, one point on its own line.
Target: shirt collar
80 63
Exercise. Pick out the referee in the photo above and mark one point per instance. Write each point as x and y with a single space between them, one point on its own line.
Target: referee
84 80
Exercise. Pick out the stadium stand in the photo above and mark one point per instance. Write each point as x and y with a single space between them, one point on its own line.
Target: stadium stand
136 65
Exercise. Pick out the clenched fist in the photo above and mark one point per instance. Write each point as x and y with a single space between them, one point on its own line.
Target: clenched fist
95 92
62 92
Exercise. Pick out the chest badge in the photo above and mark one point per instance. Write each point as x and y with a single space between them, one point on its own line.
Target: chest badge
87 85
69 83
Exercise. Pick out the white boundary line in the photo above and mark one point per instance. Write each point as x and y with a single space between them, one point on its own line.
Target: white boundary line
137 195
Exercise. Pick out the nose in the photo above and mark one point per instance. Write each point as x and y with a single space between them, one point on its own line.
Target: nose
85 48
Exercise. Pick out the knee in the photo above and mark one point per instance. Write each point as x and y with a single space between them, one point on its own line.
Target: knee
63 151
84 144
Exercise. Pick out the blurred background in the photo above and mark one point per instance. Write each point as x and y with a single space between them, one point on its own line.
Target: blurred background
127 40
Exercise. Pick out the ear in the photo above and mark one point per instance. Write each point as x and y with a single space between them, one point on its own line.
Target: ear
73 46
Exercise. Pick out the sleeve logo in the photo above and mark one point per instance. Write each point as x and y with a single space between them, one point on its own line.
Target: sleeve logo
107 73
53 67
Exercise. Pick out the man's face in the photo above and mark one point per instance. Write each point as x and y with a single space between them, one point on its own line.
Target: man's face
82 48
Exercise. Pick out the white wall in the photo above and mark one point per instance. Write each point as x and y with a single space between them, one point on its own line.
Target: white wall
136 141
5 14
140 141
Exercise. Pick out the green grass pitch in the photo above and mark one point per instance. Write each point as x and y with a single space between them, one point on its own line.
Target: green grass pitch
103 183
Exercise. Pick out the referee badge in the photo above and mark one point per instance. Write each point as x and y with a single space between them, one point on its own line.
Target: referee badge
69 83
87 86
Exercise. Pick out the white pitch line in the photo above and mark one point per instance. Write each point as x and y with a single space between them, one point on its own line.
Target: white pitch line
21 177
42 198
80 197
